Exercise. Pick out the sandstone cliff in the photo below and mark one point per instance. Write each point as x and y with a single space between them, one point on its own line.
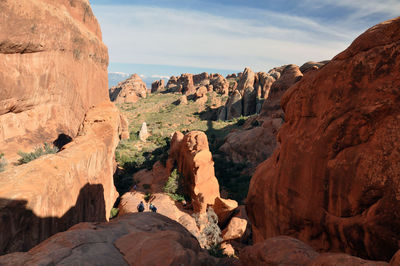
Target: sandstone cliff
53 68
333 182
53 83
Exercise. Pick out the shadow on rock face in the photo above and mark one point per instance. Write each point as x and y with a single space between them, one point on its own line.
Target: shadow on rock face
21 229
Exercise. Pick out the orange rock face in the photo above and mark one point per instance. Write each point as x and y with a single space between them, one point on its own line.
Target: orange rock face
135 239
194 161
129 90
53 82
280 250
53 68
54 192
334 181
283 250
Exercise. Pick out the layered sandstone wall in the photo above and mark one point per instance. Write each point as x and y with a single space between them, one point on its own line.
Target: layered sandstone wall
54 192
53 68
334 181
53 81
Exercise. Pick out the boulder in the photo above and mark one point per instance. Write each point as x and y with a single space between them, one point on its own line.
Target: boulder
157 86
49 77
165 206
284 250
224 208
235 229
194 161
281 250
333 180
339 259
135 239
129 90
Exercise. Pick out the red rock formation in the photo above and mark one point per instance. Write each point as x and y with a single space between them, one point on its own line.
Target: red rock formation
334 180
254 144
200 78
280 250
186 85
283 250
53 82
54 192
49 77
224 209
157 85
234 105
172 82
220 84
263 84
165 206
194 161
129 90
135 239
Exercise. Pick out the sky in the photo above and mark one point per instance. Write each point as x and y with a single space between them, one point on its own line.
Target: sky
169 37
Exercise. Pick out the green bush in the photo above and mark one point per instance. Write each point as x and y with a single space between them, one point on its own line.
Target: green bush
114 213
3 162
173 186
39 151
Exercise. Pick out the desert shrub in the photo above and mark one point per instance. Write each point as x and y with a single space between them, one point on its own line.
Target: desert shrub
211 234
173 186
114 213
39 151
3 162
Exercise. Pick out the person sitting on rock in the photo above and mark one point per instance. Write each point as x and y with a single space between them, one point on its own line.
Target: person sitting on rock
152 208
140 207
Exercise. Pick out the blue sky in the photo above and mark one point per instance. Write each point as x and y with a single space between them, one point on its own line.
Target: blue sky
169 37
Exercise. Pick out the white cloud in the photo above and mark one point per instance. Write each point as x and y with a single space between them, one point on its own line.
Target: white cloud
159 77
163 36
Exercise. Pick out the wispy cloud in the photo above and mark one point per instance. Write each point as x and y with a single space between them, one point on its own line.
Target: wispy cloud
186 37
